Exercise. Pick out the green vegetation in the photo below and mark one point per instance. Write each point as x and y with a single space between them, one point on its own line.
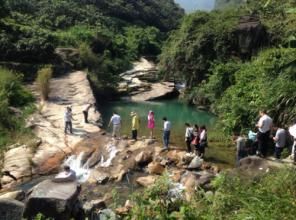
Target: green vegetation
117 32
271 196
43 81
15 105
107 34
237 61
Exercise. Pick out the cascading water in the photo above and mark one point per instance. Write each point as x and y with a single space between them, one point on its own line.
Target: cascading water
112 150
82 170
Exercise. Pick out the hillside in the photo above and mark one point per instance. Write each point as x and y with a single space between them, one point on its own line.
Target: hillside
237 61
101 36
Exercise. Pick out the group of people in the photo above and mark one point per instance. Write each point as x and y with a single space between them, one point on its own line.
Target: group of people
197 137
68 116
259 143
115 121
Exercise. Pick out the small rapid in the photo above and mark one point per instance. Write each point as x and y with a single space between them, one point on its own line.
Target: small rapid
82 170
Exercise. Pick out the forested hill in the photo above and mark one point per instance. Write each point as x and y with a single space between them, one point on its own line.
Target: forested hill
100 36
31 29
238 60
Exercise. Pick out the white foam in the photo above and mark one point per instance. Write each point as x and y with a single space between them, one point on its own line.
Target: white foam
75 163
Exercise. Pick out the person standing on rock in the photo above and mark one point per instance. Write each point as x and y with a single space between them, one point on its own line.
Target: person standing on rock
151 122
279 140
264 125
135 125
68 120
188 136
241 150
166 133
195 140
203 141
116 123
86 110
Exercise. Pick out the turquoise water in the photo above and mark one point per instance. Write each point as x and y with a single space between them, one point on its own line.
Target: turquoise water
177 113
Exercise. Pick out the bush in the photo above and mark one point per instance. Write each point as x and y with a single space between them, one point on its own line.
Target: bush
43 81
270 196
13 97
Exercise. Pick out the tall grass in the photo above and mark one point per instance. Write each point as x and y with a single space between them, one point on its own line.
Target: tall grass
43 81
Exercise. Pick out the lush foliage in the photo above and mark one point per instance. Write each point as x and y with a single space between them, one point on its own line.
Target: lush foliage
267 82
271 196
227 73
14 106
116 32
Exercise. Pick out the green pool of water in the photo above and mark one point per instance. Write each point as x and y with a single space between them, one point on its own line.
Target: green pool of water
176 112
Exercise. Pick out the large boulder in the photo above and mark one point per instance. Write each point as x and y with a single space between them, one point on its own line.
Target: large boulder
11 209
55 200
251 35
253 166
17 160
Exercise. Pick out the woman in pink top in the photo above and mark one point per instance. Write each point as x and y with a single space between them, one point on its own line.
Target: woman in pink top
151 122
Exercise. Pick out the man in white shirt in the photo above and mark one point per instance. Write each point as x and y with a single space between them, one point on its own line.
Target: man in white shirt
116 122
264 125
166 133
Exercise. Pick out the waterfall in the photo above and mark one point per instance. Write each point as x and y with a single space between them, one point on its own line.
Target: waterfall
75 163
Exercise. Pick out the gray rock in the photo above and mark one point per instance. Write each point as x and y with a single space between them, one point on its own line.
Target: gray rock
195 163
94 159
11 209
55 200
94 205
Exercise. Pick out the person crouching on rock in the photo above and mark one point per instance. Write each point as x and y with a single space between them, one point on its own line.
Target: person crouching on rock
85 112
67 175
135 125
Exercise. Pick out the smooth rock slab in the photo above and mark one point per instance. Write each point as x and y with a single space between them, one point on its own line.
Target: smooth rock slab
55 200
